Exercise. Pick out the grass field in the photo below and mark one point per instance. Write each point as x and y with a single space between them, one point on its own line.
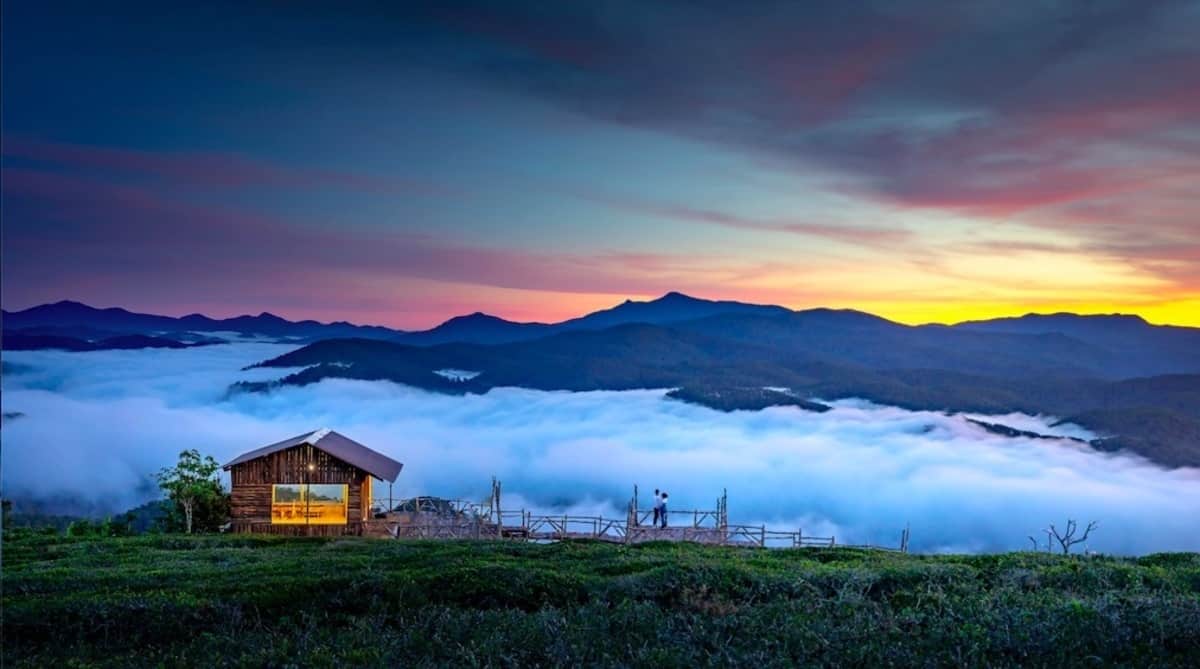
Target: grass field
255 601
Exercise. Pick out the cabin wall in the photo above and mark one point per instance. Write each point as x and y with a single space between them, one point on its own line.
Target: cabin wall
291 466
252 484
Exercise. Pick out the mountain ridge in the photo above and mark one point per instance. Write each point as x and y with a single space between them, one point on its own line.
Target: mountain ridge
76 318
1136 383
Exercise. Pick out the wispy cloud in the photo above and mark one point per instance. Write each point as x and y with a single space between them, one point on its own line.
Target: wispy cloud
857 235
929 108
133 240
209 170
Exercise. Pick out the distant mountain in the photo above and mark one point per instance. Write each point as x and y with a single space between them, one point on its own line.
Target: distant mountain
731 360
23 342
80 321
1136 384
1094 325
86 322
1130 341
481 328
477 328
1107 346
670 308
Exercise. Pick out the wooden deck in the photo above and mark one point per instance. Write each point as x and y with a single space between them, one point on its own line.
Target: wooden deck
457 519
525 526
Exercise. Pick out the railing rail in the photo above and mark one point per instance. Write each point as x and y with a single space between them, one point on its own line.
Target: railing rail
682 518
551 527
464 519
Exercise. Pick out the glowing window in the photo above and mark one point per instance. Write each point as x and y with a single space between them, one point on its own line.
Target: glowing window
309 504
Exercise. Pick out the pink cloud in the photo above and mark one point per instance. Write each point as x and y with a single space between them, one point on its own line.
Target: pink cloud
97 237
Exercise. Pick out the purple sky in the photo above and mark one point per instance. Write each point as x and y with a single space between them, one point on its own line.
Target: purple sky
400 163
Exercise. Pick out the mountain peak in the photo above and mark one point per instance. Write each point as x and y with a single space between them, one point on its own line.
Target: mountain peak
474 317
272 318
1132 319
676 296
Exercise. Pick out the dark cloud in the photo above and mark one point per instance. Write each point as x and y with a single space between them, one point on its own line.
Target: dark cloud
985 108
1079 119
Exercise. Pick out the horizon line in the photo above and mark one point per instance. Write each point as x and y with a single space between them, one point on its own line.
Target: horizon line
910 323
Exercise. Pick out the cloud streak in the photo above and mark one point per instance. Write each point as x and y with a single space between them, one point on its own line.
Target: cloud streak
856 235
205 170
929 108
108 419
136 234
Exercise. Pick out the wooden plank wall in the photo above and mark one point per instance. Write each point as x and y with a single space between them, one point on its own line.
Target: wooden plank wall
291 466
250 496
352 528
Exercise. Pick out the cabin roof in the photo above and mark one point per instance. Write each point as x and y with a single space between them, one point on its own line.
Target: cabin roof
338 445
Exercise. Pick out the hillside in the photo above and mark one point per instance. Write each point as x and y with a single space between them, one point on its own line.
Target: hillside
1134 383
20 341
256 601
725 361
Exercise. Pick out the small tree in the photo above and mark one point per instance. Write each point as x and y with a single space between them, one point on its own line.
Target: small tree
1068 538
192 484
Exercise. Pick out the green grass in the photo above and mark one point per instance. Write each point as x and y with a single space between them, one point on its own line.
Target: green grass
258 601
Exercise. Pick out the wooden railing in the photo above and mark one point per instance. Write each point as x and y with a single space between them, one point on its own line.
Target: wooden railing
527 526
462 519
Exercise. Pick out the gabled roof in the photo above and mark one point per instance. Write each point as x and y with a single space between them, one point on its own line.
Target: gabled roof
339 446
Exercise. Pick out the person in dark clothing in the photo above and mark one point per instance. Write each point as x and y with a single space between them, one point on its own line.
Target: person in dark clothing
662 513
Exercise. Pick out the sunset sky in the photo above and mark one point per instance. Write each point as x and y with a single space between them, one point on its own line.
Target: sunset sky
400 163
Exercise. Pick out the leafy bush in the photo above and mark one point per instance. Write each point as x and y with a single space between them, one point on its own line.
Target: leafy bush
122 526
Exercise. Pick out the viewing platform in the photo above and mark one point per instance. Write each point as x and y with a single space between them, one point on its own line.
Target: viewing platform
436 518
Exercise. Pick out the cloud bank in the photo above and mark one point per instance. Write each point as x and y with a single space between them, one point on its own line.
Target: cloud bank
97 424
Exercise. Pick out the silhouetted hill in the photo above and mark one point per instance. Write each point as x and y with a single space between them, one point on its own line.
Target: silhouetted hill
1110 346
24 342
670 308
80 321
1134 382
726 362
478 328
83 321
1129 341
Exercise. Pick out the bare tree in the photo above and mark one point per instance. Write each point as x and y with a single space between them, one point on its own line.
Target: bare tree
1068 538
1049 541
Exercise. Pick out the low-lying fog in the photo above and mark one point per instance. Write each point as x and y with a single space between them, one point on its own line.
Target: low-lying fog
97 425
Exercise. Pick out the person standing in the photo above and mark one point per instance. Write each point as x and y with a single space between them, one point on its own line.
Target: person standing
657 508
662 509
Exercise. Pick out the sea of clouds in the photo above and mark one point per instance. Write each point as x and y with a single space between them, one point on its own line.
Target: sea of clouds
96 425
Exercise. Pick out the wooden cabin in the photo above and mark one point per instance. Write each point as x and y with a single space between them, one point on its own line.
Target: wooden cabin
316 483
